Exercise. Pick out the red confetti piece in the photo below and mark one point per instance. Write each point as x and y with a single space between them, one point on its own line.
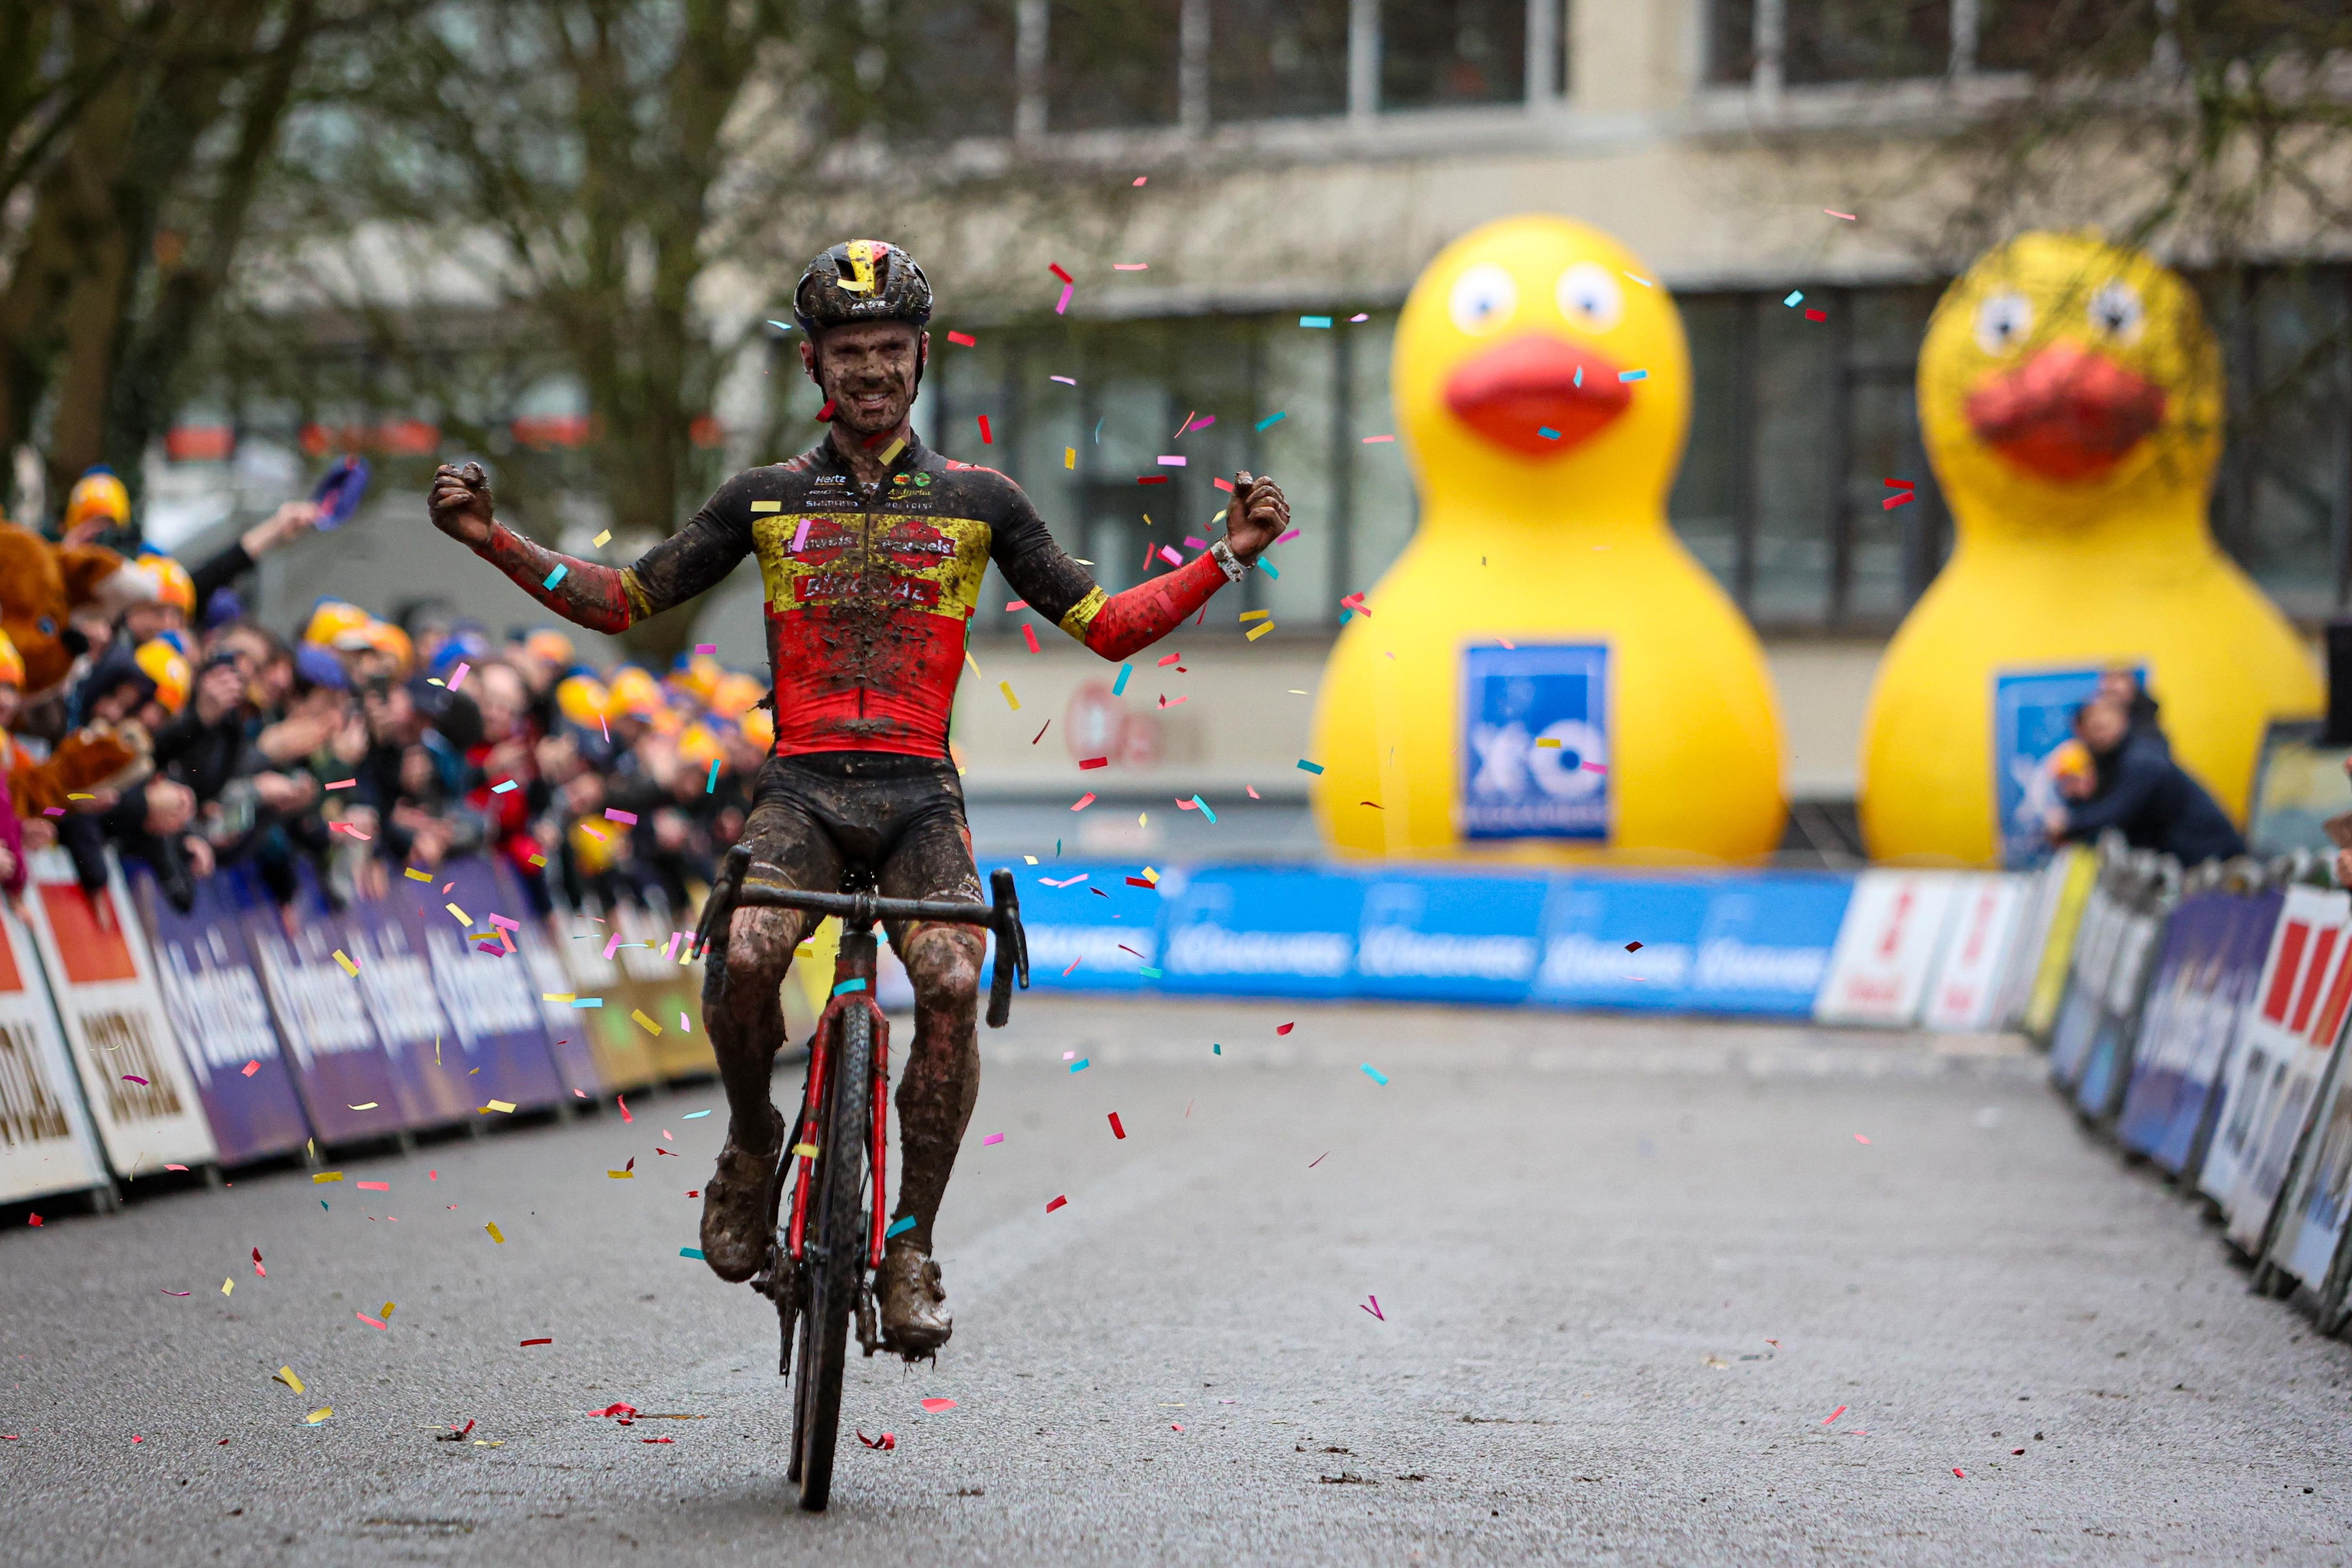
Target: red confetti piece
1833 1415
1055 268
963 340
1633 946
251 1068
986 437
1086 762
624 1105
1116 1130
1055 1204
1959 1472
1029 635
1285 1028
531 1342
936 1404
32 1220
885 1441
1083 801
616 1410
657 1439
1811 315
1151 479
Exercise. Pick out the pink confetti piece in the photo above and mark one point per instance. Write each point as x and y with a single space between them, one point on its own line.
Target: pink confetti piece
936 1406
1065 380
1374 1309
1832 1416
250 1068
353 832
1376 440
459 679
705 647
1063 304
135 1078
343 784
504 924
371 1322
1166 462
175 1168
614 814
1083 801
177 1292
799 535
1860 1139
1851 218
1288 538
1130 266
992 1138
624 1103
1171 557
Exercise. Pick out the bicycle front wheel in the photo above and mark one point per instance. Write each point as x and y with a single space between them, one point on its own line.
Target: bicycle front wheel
834 1249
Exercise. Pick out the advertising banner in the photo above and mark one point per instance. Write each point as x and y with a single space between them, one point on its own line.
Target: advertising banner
2311 1225
2204 982
2311 925
2313 1017
1089 929
1534 742
2074 1032
1449 938
141 1096
346 1078
45 1141
483 992
2054 963
2033 716
2147 904
666 987
1755 943
1244 931
222 1018
1888 947
601 997
1965 995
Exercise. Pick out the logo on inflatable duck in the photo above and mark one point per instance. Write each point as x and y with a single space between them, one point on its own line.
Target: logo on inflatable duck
1546 674
2071 399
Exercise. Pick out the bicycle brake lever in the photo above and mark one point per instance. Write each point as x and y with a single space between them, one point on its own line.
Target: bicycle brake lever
719 908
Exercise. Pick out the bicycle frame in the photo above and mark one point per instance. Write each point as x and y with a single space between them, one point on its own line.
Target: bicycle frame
853 987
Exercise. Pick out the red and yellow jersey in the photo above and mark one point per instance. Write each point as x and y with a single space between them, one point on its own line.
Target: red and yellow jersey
869 590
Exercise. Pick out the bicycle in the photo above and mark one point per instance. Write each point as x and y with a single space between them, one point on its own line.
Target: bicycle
816 1274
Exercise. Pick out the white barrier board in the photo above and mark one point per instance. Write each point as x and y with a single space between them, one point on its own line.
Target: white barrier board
1886 947
46 1144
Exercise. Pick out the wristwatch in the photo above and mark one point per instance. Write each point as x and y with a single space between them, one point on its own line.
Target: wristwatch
1232 566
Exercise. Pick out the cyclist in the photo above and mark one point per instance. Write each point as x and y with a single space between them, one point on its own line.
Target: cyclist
871 549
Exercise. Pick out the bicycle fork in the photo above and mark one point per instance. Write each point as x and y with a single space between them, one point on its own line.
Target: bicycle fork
856 965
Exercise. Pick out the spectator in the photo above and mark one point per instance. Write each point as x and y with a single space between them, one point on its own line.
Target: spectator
2139 788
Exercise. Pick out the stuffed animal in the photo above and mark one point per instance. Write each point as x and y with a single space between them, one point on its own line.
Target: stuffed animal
96 757
41 585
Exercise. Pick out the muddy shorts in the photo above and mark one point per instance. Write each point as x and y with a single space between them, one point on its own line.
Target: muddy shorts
816 815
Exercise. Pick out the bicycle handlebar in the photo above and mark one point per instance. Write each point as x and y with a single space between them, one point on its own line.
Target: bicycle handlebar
1003 917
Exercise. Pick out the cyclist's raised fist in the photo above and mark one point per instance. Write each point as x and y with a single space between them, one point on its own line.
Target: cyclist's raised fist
1257 517
460 501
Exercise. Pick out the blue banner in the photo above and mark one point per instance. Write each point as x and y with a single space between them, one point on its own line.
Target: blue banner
1450 938
1742 943
1271 932
1534 742
2204 984
2033 716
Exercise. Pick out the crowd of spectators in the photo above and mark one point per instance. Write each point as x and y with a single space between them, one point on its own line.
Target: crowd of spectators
335 756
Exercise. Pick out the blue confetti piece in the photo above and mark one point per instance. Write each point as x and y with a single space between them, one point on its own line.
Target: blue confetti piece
781 326
1796 297
1546 431
846 987
1632 375
1267 567
504 788
694 1115
587 1001
1579 379
710 785
1203 808
900 1226
696 1253
1374 1073
556 577
322 1203
1149 973
1322 321
1273 418
1216 1050
1307 767
1117 688
1080 1064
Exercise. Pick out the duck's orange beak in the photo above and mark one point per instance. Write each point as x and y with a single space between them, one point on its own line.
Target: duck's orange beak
1516 392
2067 413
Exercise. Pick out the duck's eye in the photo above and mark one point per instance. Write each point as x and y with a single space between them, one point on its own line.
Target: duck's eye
2116 311
1482 297
1590 297
2002 322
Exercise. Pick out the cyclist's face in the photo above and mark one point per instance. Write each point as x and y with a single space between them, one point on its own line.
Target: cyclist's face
868 371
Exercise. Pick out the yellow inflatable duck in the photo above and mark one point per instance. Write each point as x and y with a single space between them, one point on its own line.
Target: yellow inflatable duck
2071 398
1546 674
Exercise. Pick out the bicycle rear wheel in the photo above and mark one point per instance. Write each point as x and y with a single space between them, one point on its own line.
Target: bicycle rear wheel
833 1252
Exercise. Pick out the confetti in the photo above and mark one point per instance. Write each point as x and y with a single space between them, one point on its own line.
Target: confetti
1080 1064
526 1345
496 1235
457 676
1376 440
624 1105
135 1078
694 1252
1796 298
349 967
1029 635
1285 1028
614 814
1010 700
638 1014
1083 801
1063 304
1851 218
413 875
1322 321
1833 1415
327 1176
1633 946
1055 1204
1632 375
322 1413
806 1151
371 1322
1116 1130
1374 1073
1374 1309
1307 767
556 577
900 1226
601 540
250 1068
694 1115
992 1138
287 1375
503 1107
1860 1139
887 1440
963 340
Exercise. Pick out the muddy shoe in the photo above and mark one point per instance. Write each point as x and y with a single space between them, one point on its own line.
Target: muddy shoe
915 1319
735 1206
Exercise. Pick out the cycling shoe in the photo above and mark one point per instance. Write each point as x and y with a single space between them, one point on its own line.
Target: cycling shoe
915 1317
737 1211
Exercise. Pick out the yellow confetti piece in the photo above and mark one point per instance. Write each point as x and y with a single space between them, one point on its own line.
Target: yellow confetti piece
285 1374
807 1149
493 1228
387 1311
600 541
558 996
650 1027
80 797
1010 700
973 662
1255 614
463 918
326 1176
1152 876
227 1286
349 967
322 1413
413 875
1258 632
622 1176
890 453
1069 457
1547 743
504 1107
539 860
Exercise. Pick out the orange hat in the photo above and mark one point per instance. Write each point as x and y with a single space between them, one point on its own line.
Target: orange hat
759 728
97 493
632 691
581 698
549 644
698 747
330 618
734 695
173 586
12 663
392 643
168 668
698 674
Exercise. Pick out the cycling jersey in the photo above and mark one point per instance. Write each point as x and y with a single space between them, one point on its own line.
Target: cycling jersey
869 589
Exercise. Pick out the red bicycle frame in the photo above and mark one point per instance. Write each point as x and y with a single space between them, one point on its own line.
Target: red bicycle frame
853 987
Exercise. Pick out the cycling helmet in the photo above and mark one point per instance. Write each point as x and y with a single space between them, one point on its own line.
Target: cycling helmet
861 280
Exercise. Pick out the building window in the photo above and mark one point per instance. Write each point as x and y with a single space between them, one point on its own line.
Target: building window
1112 64
1277 58
1865 40
1436 53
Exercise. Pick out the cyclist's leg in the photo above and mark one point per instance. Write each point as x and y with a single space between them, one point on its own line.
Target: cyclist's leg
744 1015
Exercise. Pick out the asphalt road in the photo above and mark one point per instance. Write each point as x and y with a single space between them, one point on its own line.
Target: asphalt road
1647 1297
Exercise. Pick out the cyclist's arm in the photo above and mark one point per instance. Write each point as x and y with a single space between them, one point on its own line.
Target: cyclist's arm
612 599
1114 625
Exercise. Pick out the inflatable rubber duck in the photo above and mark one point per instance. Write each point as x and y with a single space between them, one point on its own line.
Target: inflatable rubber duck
1546 674
2071 398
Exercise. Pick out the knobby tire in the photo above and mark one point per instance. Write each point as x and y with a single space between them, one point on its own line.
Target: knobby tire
834 1246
